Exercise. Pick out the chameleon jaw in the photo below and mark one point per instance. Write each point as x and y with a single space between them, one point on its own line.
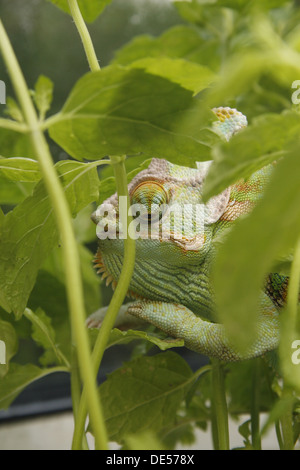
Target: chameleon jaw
101 269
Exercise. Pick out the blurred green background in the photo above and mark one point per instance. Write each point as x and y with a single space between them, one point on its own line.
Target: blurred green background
46 40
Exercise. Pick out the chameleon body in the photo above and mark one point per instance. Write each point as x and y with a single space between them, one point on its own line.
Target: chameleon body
172 276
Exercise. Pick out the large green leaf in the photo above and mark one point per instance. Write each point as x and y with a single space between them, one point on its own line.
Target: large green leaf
189 75
181 41
126 111
253 148
17 379
90 9
124 337
44 335
29 232
14 144
20 169
14 192
249 250
145 394
49 294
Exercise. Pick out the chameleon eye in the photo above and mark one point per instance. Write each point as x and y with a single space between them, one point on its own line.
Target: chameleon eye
151 195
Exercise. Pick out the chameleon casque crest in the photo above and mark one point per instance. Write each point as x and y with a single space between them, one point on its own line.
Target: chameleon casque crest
172 277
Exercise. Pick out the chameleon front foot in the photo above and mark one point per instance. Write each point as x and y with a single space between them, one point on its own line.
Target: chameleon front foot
124 320
203 336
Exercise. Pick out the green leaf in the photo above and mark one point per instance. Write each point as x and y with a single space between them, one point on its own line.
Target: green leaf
14 144
146 440
83 225
12 109
90 9
108 182
251 247
49 294
20 169
119 111
279 409
181 41
2 217
239 383
43 95
9 337
189 75
145 394
44 335
17 379
29 232
123 337
250 150
14 192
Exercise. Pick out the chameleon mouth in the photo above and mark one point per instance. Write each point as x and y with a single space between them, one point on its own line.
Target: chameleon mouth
105 274
102 269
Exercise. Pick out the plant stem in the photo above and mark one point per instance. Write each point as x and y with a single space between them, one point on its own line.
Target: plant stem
116 301
76 387
129 244
255 406
293 289
85 35
286 422
64 222
219 404
288 335
13 125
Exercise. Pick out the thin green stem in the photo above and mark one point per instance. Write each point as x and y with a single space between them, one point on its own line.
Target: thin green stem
129 244
85 35
279 435
116 301
219 405
255 405
76 387
69 246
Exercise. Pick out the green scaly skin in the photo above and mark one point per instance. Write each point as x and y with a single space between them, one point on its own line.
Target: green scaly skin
171 279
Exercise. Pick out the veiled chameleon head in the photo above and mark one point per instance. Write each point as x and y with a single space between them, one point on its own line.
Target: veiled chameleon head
172 226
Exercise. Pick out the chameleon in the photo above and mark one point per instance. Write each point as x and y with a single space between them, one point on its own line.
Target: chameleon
171 283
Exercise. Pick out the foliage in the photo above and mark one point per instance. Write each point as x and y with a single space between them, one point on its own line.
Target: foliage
154 100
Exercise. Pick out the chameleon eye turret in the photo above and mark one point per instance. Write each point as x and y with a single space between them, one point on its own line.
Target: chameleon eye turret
152 195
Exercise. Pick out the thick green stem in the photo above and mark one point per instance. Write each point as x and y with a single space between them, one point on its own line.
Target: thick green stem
219 405
69 247
116 301
293 289
290 376
286 422
85 35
